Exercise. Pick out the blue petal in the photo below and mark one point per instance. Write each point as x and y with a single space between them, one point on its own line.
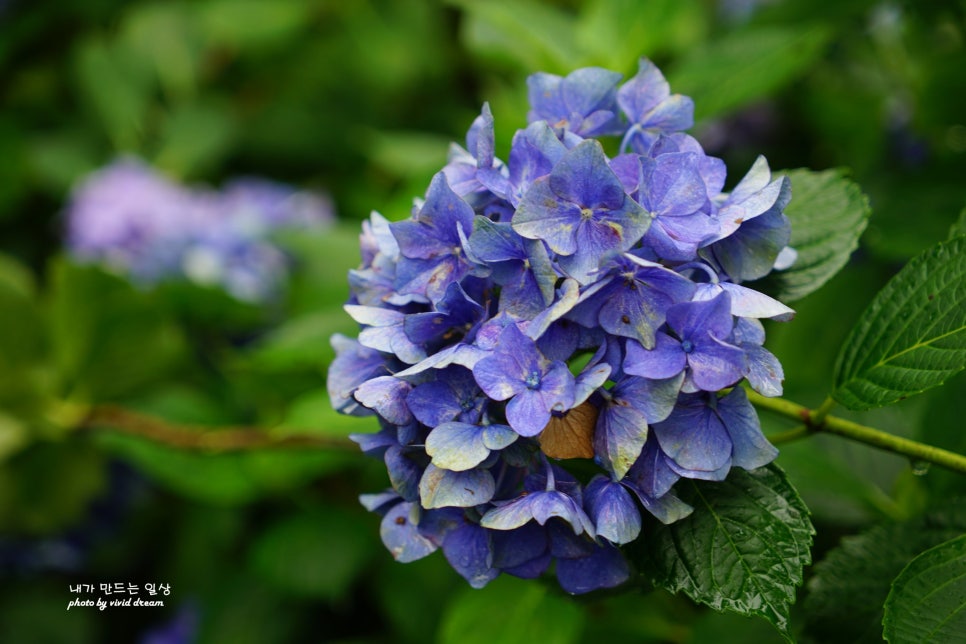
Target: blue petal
590 380
528 413
584 177
441 488
387 395
379 501
605 568
750 253
457 446
716 365
613 510
352 366
746 302
564 544
404 472
513 548
655 398
567 297
543 215
763 370
641 94
462 354
498 437
666 360
469 550
751 448
666 509
694 437
651 476
696 320
375 444
620 435
401 536
539 507
433 403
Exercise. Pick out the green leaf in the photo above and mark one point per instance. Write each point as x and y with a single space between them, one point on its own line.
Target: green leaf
252 24
828 213
315 554
958 229
616 32
195 137
49 487
529 35
745 65
301 342
848 588
912 337
928 598
117 85
511 611
23 378
108 339
742 549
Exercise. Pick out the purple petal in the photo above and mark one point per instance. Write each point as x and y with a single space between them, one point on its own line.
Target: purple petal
500 375
644 92
433 403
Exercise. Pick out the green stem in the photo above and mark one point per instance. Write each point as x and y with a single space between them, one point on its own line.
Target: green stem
817 417
204 439
819 421
789 436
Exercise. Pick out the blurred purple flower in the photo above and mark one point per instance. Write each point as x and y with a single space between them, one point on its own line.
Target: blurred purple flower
137 223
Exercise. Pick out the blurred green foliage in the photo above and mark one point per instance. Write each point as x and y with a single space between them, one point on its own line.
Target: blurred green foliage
360 99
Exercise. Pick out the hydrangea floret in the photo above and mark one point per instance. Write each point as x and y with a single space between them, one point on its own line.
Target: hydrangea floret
564 314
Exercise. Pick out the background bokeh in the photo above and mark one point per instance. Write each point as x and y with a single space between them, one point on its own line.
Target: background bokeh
359 100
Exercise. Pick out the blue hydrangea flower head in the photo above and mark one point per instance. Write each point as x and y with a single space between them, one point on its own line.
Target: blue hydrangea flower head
565 307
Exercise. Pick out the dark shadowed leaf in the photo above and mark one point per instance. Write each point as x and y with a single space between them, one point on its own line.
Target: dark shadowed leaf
849 586
744 65
928 598
742 549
